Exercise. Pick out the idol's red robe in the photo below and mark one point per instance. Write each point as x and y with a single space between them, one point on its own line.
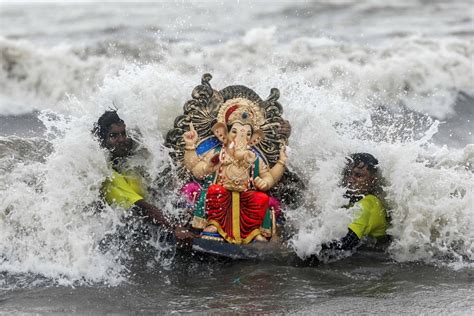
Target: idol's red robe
236 215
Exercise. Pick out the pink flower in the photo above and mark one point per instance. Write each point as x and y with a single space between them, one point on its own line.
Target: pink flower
191 191
275 204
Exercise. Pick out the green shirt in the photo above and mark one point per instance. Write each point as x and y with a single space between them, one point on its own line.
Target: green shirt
370 218
123 189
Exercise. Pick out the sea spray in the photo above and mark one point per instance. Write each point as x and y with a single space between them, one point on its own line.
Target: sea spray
390 73
342 91
49 222
36 78
54 231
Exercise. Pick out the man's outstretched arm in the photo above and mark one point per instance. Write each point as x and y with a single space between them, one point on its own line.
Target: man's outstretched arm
348 242
153 212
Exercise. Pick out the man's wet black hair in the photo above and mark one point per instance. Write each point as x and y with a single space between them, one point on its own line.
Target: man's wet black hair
102 127
367 159
372 166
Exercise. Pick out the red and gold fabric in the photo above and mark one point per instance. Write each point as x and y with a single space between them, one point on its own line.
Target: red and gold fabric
237 216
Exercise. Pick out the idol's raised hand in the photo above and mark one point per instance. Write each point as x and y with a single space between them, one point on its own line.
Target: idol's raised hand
283 155
190 137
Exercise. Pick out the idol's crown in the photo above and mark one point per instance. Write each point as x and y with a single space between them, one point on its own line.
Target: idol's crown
242 111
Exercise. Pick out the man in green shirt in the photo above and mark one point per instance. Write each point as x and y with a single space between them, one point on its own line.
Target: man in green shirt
362 179
124 188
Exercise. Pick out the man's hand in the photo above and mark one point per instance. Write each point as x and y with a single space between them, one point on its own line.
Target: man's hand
154 213
184 237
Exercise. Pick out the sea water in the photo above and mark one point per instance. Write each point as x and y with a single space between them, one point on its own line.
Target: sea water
393 79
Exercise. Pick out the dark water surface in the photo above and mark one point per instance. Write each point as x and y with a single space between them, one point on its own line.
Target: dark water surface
368 282
26 125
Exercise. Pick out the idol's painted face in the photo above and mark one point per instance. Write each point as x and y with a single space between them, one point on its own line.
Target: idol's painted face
240 134
360 179
117 141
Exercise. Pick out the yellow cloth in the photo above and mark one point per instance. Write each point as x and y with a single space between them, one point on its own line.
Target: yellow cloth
123 189
371 218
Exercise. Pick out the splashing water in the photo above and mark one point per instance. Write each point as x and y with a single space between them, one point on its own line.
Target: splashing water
340 95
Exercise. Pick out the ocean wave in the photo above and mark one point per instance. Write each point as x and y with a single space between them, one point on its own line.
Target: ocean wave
35 78
52 230
341 93
424 74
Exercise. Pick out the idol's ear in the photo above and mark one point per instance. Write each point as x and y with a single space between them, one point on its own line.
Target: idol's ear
256 138
220 130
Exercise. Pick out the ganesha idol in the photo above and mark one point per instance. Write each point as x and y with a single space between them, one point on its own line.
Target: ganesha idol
235 155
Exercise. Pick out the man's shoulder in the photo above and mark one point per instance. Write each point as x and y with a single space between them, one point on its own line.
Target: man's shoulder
121 177
371 202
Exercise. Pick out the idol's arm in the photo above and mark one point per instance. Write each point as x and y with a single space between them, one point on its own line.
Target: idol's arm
264 181
277 171
269 177
200 167
279 168
191 159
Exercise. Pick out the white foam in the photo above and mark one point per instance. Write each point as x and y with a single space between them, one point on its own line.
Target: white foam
330 88
37 78
424 74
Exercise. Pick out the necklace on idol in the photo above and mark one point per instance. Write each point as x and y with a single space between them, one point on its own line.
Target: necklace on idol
234 179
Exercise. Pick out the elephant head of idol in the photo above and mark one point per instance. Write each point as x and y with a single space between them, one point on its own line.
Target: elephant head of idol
238 126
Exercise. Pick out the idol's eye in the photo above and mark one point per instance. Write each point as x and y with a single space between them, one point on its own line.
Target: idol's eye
233 131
